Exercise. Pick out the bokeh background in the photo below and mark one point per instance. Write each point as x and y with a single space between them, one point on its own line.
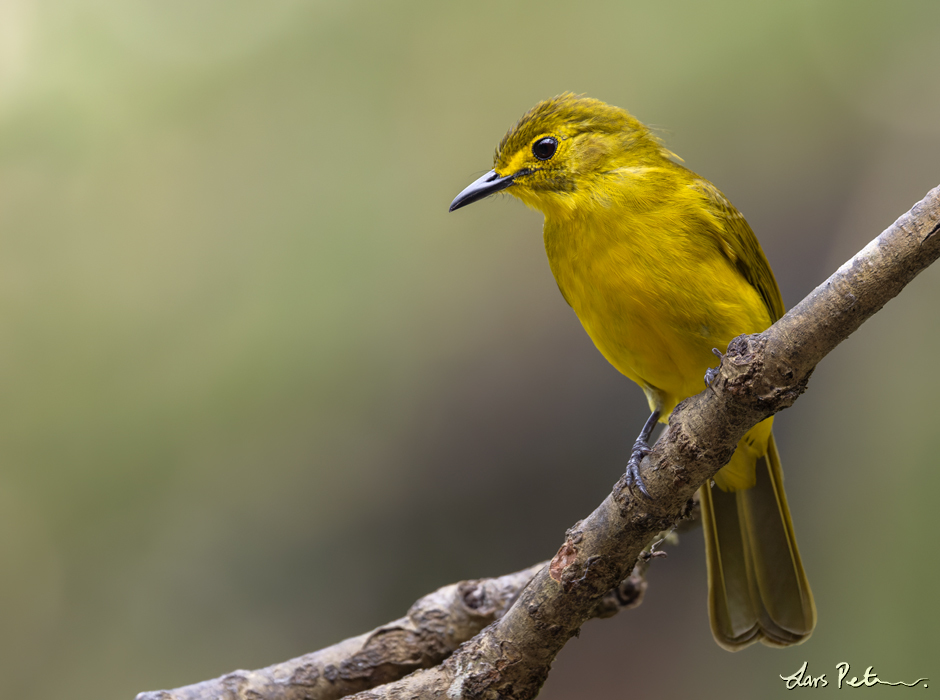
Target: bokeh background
260 391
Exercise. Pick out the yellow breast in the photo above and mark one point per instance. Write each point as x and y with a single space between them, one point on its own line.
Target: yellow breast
654 295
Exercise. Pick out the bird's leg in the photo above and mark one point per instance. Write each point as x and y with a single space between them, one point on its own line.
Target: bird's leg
641 448
712 372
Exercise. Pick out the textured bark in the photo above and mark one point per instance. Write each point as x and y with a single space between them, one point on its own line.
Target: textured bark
760 375
434 626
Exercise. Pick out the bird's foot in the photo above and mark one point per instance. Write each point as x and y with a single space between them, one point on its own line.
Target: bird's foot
633 478
712 372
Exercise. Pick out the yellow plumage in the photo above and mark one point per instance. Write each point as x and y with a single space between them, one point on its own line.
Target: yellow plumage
660 268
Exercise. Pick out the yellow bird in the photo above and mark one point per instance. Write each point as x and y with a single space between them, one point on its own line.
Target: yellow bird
661 268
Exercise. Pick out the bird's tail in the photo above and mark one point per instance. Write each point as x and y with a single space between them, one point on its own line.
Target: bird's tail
757 589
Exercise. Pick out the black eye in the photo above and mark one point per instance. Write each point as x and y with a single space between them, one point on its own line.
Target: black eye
543 149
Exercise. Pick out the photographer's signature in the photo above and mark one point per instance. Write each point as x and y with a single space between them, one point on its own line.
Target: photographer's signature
802 679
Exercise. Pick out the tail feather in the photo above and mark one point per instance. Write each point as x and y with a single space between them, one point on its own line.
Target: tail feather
757 589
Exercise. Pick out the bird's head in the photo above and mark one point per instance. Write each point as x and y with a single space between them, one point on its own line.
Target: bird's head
563 154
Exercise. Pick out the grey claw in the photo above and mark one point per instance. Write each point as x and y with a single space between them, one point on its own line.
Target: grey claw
633 478
710 375
712 372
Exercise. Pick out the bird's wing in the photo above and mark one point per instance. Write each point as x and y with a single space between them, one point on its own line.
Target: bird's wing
738 242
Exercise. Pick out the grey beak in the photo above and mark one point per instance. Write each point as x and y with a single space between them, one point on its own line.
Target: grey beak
483 187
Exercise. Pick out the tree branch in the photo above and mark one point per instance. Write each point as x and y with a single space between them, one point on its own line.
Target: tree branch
760 375
433 628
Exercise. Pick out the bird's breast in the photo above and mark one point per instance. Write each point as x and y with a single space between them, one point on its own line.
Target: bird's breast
653 303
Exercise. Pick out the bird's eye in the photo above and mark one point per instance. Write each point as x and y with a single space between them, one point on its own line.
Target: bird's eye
543 149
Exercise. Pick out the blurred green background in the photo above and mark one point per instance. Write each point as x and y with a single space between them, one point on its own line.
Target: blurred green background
261 392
